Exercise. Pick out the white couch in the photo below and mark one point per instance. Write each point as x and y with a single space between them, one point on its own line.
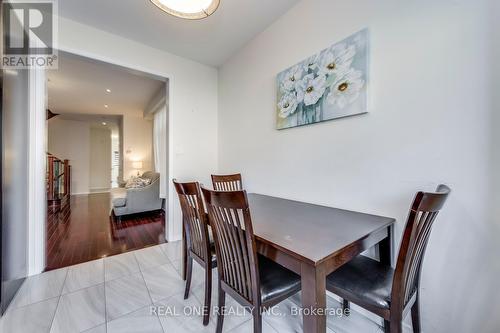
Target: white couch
137 200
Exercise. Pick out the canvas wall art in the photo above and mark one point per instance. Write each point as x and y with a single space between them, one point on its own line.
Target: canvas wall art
329 85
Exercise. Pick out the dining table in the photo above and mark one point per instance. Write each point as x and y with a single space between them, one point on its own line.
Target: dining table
313 241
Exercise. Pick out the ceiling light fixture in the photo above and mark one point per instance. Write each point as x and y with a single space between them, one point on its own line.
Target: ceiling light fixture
106 106
188 9
108 90
104 123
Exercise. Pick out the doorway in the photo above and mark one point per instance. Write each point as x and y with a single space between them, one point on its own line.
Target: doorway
101 138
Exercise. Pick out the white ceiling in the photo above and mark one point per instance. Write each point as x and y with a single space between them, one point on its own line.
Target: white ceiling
210 41
79 86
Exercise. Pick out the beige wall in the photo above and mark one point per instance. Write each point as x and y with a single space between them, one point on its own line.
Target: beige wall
68 139
100 159
137 143
73 140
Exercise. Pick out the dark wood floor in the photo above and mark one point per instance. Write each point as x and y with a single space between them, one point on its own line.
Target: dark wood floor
82 230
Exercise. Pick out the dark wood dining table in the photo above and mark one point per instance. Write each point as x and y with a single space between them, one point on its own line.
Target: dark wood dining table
313 241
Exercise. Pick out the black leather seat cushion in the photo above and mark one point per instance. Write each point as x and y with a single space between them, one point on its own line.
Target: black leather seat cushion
212 247
213 254
275 280
363 279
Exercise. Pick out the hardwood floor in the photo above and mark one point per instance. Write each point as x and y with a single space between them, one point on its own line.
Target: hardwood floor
82 230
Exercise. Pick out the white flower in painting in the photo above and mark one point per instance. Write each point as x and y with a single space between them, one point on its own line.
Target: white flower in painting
287 105
346 89
337 60
293 76
311 63
310 89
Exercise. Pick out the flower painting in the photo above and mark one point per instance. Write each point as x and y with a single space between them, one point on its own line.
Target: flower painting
331 84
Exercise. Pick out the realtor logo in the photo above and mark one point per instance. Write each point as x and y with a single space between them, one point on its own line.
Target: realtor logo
29 34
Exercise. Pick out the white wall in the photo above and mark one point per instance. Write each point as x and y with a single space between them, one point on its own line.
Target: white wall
429 122
193 102
494 228
495 115
69 139
100 159
157 111
14 229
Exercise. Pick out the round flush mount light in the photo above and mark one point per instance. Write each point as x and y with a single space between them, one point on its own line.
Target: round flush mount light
188 9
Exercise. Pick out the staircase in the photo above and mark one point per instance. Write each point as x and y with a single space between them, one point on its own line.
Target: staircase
58 181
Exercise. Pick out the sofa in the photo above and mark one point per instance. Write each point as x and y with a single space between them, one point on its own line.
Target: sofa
137 200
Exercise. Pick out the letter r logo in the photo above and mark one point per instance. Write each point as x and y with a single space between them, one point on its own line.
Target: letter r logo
28 28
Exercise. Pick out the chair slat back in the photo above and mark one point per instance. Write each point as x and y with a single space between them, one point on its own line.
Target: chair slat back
194 218
227 182
234 241
425 208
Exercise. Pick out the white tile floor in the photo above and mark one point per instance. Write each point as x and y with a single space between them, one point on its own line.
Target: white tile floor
139 292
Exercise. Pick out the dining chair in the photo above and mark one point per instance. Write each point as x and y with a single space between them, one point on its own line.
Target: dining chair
392 292
199 245
254 281
227 182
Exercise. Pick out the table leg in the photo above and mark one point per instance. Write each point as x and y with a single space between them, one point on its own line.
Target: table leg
184 254
313 298
384 248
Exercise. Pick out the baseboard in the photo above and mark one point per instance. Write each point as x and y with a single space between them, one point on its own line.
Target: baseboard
91 192
100 190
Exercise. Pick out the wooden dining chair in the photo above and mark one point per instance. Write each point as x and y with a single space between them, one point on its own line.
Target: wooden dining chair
199 245
387 292
227 182
252 280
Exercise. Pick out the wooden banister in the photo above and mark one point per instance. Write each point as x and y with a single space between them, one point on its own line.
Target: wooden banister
50 175
67 177
58 179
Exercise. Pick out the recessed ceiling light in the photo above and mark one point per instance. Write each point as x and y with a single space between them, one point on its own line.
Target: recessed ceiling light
104 123
108 90
188 9
106 106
